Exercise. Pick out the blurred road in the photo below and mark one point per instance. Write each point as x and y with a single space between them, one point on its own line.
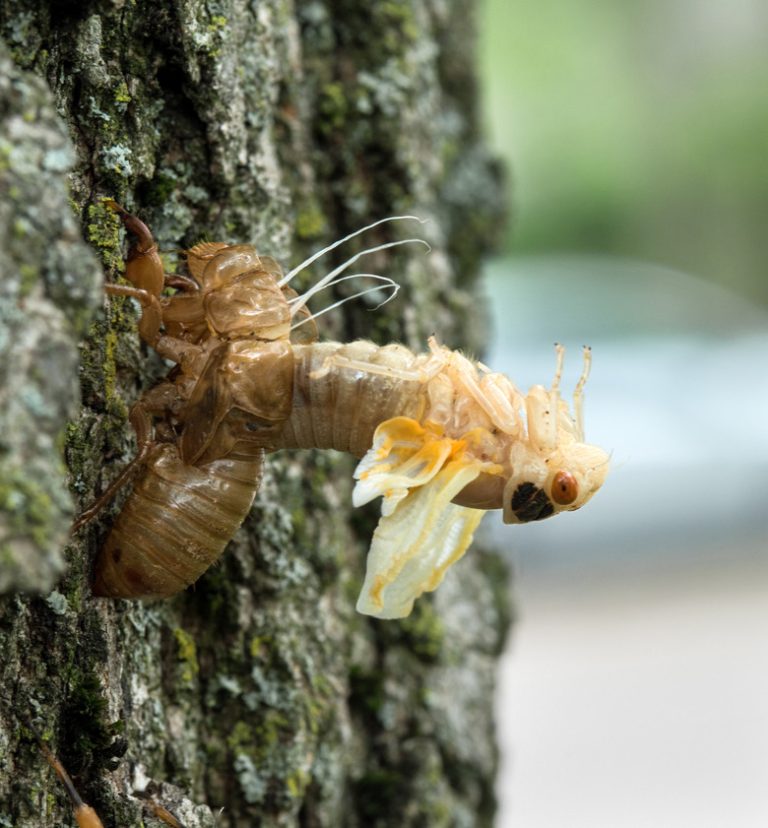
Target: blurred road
635 690
638 702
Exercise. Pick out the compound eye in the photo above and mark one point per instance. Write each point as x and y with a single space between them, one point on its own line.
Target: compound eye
565 489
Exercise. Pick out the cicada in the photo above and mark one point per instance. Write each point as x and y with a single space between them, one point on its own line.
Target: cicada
441 438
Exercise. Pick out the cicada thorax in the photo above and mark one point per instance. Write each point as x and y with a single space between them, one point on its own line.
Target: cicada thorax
232 270
242 298
240 401
237 296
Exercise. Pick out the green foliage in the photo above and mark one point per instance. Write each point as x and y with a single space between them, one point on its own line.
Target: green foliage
634 130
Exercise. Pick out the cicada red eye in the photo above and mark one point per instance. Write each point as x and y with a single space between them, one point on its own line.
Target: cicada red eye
565 489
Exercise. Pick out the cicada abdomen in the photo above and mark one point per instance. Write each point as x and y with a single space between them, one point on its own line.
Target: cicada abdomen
341 407
175 523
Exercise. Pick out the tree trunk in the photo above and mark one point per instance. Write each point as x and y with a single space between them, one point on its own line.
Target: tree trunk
258 697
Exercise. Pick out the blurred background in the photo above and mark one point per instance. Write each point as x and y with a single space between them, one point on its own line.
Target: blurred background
634 693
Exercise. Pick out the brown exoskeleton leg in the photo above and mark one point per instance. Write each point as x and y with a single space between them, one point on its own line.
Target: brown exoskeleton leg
163 814
156 403
141 420
151 310
144 270
168 347
143 266
181 282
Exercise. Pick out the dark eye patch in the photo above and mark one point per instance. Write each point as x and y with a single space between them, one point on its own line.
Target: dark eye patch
529 503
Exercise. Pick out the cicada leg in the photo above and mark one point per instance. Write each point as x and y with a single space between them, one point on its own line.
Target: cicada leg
425 372
151 310
180 282
143 266
163 814
578 393
169 347
155 403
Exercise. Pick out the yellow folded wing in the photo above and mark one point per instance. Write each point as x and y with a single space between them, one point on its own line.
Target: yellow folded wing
421 533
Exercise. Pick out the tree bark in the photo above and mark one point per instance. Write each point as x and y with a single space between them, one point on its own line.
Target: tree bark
258 697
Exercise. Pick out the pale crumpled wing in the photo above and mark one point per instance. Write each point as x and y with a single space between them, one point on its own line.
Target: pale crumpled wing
403 455
421 533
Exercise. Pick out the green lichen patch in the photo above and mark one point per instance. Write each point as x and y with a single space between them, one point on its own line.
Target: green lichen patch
310 221
332 105
102 228
98 376
186 655
27 508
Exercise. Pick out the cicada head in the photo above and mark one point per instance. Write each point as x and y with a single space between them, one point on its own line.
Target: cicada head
553 469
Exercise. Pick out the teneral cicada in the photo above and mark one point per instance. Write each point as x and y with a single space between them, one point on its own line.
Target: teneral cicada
441 438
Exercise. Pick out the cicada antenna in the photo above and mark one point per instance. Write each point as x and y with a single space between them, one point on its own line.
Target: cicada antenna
578 393
298 302
315 256
388 283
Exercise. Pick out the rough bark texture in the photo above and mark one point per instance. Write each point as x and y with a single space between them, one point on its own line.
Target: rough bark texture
260 691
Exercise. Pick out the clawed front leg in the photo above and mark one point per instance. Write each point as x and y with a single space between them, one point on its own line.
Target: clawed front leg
151 310
143 266
149 325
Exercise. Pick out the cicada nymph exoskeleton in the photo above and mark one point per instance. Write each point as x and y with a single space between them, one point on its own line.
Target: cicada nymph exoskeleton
441 438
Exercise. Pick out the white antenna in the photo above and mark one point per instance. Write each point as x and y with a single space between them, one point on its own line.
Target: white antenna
578 394
287 278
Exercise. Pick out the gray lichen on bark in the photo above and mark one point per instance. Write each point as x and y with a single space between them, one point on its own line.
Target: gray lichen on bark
48 290
260 691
